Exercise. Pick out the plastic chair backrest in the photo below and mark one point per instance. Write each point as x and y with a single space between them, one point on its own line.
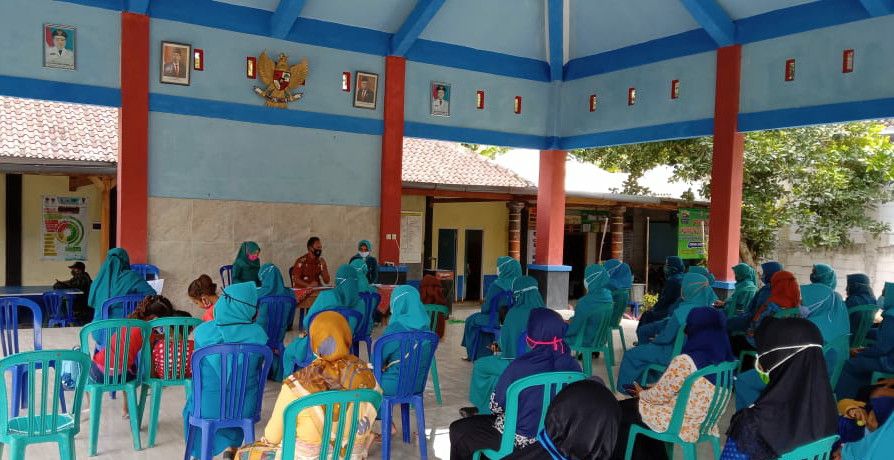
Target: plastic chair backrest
117 359
278 308
552 382
333 403
128 303
145 270
226 275
621 298
175 331
842 353
434 311
370 301
417 350
816 450
723 389
9 323
44 382
292 275
243 362
867 317
52 300
600 322
494 308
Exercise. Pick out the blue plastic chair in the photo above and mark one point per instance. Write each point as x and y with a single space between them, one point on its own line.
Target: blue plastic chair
245 362
279 307
433 312
226 275
333 404
371 301
127 303
46 422
52 300
353 316
9 340
493 322
417 350
145 270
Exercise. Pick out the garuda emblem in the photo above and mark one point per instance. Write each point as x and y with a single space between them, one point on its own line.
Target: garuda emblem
280 79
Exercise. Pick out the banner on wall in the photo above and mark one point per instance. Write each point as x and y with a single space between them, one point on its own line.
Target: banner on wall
692 233
412 226
64 228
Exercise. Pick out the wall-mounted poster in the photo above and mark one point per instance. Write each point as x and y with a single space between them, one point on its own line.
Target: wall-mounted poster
693 233
440 99
59 46
412 227
175 63
64 228
366 90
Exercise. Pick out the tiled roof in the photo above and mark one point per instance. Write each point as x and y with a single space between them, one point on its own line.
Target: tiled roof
449 163
38 129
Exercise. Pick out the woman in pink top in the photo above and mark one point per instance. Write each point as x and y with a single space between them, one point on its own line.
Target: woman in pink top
203 293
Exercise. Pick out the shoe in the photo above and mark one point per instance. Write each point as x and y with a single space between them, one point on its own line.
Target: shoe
467 412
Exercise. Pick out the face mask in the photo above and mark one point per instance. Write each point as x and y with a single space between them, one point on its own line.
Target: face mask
252 257
318 252
364 254
517 294
765 375
556 343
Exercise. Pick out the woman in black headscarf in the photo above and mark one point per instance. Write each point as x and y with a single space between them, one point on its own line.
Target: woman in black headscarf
797 406
581 423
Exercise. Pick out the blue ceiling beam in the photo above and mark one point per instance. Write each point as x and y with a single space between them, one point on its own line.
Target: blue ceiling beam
713 19
284 17
878 7
556 12
413 26
136 6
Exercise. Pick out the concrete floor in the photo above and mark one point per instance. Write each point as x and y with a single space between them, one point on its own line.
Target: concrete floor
115 439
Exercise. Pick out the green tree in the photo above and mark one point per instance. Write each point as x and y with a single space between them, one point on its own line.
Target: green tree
489 151
823 180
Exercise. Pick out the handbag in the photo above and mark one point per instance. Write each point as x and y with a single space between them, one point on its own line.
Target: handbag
258 450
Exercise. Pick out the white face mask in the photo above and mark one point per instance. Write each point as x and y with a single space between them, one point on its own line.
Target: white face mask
765 375
364 254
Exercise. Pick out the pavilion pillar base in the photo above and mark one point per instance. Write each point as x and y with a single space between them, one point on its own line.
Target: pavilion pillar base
552 281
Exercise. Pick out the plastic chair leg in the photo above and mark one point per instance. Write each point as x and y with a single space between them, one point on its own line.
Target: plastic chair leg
621 335
134 418
18 398
588 363
207 444
369 352
715 443
16 449
435 381
631 440
689 451
95 413
153 414
420 427
385 414
190 441
67 448
609 364
405 422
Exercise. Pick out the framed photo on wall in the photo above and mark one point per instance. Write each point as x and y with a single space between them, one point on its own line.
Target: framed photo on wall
439 95
175 68
59 46
366 90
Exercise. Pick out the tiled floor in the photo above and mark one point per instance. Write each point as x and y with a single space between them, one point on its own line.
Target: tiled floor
115 439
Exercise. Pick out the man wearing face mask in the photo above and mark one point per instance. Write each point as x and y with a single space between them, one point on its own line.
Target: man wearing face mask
310 271
81 281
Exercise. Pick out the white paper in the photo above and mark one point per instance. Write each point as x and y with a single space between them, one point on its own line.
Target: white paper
158 285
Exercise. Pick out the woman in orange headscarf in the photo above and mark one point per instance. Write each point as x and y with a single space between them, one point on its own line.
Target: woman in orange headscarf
784 300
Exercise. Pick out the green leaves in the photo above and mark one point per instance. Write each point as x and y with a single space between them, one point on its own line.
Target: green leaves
823 180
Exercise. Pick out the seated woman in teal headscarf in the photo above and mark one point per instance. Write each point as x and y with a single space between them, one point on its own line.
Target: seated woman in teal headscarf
115 278
363 286
598 300
271 285
487 370
507 270
407 314
878 357
696 292
740 322
343 295
859 292
233 322
701 271
620 282
670 293
372 265
746 288
247 264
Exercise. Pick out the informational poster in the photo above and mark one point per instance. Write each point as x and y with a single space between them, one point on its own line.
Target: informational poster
64 228
411 229
692 233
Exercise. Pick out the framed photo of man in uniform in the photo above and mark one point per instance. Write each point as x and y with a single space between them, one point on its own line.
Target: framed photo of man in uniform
366 90
59 46
440 99
175 63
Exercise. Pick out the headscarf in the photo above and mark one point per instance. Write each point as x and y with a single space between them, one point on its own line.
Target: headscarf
702 271
234 318
582 422
696 292
746 287
548 353
887 303
369 246
272 282
823 306
859 290
744 273
526 293
346 286
797 406
507 270
335 367
673 265
527 298
824 274
243 265
431 292
597 280
115 278
620 274
784 290
407 312
768 269
362 269
706 339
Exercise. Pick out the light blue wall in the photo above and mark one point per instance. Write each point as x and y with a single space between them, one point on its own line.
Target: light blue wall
653 103
818 76
224 76
97 41
195 157
499 96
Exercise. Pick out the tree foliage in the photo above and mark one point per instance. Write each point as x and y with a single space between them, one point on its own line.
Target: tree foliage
825 181
489 151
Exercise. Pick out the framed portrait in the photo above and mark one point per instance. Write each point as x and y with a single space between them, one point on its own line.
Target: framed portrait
175 67
366 90
59 46
439 95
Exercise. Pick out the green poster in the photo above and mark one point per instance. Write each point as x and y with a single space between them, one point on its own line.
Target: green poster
692 233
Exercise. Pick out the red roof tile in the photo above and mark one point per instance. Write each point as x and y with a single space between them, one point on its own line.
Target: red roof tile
449 163
51 130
